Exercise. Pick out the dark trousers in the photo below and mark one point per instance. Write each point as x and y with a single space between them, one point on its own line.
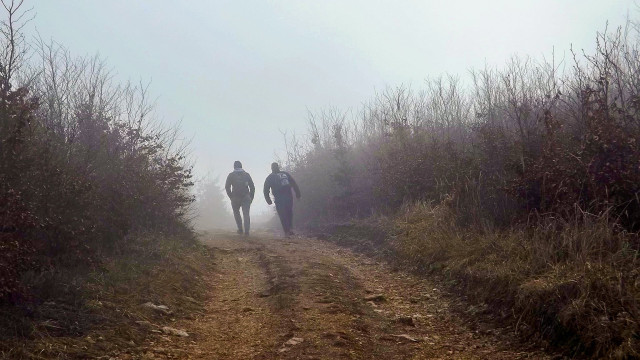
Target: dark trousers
284 207
245 204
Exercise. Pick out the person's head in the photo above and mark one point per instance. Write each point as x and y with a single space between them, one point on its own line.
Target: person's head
275 167
237 165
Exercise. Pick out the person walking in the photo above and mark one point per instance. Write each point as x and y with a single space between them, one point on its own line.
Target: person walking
240 189
280 184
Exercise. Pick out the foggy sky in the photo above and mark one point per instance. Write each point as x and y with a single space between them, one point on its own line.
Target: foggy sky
237 73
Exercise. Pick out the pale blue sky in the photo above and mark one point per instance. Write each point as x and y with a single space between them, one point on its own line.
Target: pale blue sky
238 72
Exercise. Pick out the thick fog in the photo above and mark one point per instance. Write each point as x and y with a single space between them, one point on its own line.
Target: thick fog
238 74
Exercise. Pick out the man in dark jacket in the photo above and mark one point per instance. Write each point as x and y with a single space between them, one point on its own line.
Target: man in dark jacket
240 189
280 183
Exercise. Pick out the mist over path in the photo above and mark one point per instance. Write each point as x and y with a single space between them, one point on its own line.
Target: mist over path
304 298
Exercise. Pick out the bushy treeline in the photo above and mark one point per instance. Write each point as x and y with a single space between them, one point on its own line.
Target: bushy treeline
533 138
521 186
83 164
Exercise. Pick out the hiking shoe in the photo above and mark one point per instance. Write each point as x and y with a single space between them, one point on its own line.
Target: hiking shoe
240 232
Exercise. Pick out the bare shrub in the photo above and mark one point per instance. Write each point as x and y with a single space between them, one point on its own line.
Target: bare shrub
530 138
83 164
523 188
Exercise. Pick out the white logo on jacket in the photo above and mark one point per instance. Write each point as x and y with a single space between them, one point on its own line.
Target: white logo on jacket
284 179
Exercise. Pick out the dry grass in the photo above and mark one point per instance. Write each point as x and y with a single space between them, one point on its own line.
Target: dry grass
574 286
86 315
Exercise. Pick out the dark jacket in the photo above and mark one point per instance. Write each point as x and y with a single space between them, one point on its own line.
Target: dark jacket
280 184
239 184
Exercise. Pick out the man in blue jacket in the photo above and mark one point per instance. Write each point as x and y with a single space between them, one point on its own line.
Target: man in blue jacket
280 184
240 189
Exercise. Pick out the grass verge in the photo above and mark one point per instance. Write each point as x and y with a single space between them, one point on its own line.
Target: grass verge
80 313
575 286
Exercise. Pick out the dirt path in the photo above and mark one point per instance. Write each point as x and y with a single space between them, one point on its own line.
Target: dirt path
268 291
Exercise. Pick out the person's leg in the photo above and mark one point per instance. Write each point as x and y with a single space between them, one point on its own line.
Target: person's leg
289 215
291 218
235 206
246 206
281 209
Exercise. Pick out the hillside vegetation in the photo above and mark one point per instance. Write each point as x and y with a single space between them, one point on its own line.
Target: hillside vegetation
88 178
522 184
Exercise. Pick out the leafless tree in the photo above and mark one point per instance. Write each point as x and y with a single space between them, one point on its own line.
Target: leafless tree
14 48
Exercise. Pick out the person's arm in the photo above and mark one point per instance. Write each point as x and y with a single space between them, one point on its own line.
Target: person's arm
267 187
252 188
294 185
227 185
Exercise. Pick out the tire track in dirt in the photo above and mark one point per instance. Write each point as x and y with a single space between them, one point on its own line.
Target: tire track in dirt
239 321
268 290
